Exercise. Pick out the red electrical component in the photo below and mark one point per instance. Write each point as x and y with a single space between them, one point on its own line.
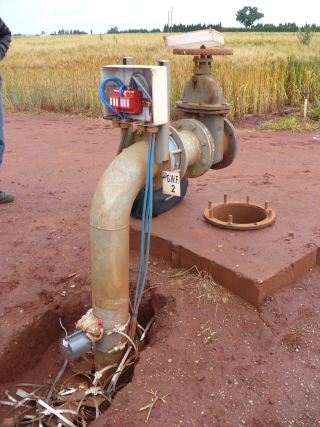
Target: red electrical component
129 102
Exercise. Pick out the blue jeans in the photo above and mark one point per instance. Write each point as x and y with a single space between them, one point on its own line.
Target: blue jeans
1 125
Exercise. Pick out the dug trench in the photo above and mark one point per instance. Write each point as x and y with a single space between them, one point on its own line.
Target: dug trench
216 358
31 354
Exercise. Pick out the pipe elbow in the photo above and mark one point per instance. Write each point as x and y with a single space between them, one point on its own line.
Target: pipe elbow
118 187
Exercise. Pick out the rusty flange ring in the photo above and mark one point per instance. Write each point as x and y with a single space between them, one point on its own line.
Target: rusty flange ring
230 146
194 107
203 52
237 215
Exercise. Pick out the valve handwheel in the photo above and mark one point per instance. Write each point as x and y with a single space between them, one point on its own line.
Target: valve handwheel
203 51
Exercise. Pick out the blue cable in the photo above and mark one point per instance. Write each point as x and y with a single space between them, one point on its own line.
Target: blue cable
145 230
147 200
102 93
145 215
149 220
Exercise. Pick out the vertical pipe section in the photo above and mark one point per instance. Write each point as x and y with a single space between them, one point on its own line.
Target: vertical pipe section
215 124
162 141
109 221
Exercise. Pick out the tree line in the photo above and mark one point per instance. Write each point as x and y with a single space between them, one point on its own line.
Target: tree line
115 30
289 27
67 32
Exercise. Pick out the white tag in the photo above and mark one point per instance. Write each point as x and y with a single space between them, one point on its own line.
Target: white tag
171 183
65 343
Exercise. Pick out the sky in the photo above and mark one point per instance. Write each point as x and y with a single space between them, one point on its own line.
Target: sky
34 16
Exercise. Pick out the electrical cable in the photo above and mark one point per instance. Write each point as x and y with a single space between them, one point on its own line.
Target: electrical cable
102 93
142 88
145 233
139 81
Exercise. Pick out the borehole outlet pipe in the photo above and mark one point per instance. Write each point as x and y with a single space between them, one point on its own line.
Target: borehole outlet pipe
109 236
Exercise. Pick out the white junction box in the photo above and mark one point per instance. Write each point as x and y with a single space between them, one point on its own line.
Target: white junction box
153 79
195 39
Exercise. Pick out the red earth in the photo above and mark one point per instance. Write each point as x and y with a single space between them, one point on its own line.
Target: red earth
219 360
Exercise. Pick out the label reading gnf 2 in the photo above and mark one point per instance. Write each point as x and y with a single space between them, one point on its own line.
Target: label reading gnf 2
171 183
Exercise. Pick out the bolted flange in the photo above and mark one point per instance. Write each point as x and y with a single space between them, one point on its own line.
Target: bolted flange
230 146
197 145
239 215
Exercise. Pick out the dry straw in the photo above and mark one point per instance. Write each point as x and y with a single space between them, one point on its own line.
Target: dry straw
61 73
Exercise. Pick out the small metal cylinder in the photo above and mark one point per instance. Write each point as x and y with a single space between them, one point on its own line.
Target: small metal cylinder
76 344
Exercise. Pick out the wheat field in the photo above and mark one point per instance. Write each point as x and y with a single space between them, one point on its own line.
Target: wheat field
61 73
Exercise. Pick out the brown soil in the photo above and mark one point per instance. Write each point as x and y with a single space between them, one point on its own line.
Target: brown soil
222 361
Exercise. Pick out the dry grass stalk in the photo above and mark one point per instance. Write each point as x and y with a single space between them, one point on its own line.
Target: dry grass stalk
61 73
154 399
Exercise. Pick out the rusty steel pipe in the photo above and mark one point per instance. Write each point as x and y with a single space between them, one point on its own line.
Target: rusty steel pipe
109 238
203 100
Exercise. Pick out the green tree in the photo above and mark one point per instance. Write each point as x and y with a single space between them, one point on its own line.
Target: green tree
305 34
113 30
248 16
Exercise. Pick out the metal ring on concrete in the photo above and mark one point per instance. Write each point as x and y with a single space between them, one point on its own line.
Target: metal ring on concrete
237 215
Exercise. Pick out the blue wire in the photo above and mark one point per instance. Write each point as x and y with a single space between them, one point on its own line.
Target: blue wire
145 220
149 221
145 230
142 243
102 93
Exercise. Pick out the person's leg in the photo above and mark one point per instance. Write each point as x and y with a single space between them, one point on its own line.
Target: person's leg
1 125
4 198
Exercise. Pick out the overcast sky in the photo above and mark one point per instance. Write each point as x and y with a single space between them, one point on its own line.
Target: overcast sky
34 16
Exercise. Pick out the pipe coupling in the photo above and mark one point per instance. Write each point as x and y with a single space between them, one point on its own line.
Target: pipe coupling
195 147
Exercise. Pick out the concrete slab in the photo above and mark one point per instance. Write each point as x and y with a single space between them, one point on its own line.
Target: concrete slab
281 167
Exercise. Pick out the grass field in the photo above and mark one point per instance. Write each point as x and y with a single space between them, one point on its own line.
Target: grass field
61 73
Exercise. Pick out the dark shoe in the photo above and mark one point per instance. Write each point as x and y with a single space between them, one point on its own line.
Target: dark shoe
5 198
